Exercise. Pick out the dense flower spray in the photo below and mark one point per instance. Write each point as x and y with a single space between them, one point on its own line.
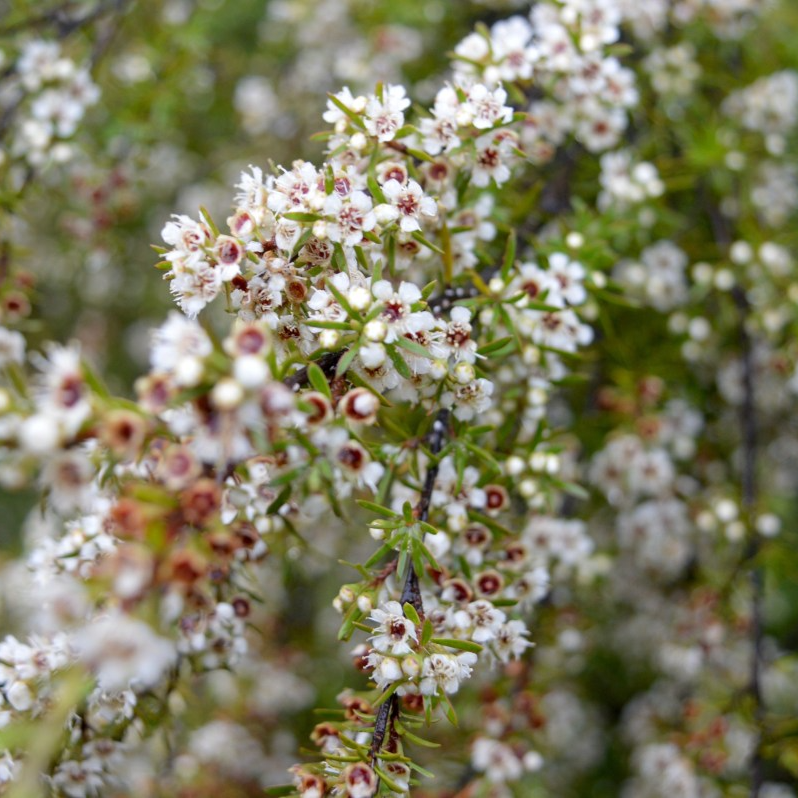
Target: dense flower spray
411 350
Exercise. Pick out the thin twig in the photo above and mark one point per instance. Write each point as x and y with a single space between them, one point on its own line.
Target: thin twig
327 363
411 593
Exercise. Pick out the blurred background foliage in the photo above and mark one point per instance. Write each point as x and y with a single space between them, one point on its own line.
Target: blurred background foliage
169 135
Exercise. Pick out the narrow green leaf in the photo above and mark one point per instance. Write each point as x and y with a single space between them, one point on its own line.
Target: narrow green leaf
352 116
571 488
399 362
413 346
341 300
426 632
381 552
361 259
318 380
509 256
209 219
281 499
385 695
378 509
298 216
448 710
281 790
494 526
410 612
460 645
388 781
419 155
414 738
374 188
328 325
482 454
426 243
346 360
353 614
494 346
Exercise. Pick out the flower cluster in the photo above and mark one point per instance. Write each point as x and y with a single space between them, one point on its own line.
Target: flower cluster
49 94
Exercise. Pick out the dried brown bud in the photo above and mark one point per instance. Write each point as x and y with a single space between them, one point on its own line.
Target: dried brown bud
123 431
201 501
496 497
489 583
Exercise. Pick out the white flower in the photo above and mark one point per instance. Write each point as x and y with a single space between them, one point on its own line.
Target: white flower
12 347
409 203
497 761
351 216
394 632
397 310
445 672
385 670
334 114
78 779
508 642
124 652
486 108
383 117
568 278
469 399
177 346
456 341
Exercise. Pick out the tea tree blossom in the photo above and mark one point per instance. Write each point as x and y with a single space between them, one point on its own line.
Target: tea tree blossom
510 348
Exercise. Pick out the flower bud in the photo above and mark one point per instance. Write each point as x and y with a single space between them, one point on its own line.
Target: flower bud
227 394
328 339
552 463
463 373
438 369
514 465
411 667
496 285
346 595
364 603
188 372
768 525
358 142
250 371
375 330
372 356
321 409
360 298
376 532
359 405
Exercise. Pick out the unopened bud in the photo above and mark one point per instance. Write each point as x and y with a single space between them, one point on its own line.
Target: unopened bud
438 369
364 603
375 330
496 285
360 298
328 339
463 373
227 394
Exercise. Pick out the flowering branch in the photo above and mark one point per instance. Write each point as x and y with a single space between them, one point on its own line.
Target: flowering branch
411 592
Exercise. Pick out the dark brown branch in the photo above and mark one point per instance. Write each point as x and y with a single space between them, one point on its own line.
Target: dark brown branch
411 593
327 363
